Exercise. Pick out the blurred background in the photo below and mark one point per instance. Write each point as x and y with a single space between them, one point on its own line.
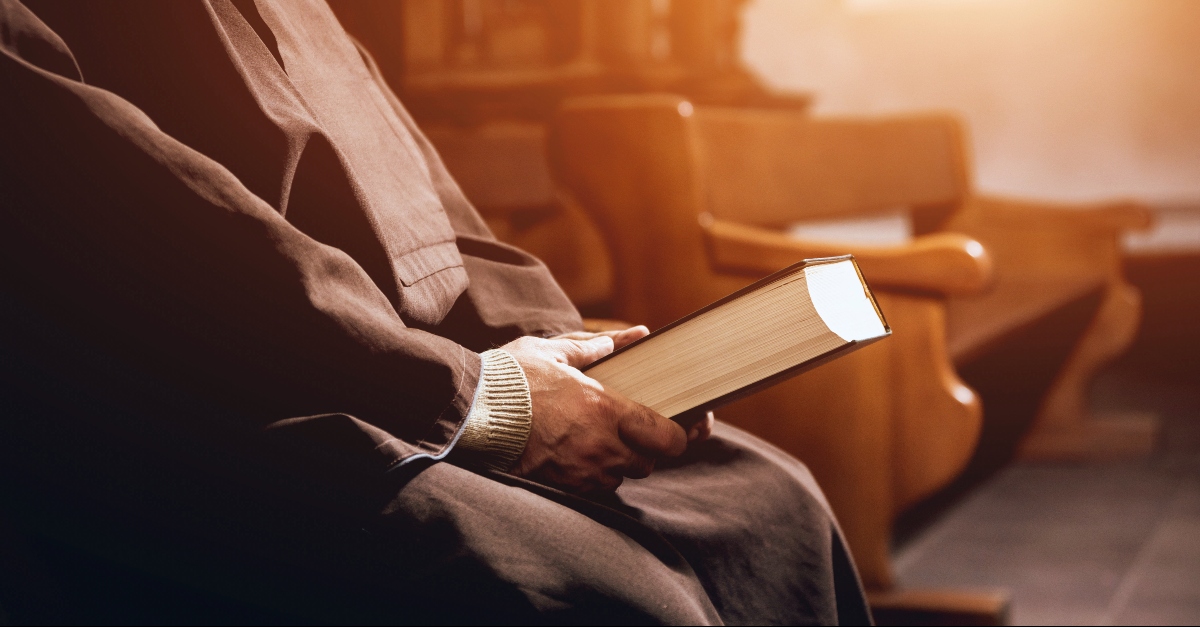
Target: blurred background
1065 100
1020 182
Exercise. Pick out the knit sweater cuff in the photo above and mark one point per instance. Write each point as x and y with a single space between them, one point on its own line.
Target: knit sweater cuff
498 423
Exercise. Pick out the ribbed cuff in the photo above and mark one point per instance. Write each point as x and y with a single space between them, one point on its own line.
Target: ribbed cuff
498 423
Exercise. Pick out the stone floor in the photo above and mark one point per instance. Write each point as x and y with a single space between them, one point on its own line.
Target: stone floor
1084 544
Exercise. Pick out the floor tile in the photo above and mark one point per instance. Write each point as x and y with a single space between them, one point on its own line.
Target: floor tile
1087 544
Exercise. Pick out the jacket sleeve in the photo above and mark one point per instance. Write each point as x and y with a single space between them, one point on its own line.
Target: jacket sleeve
121 234
511 292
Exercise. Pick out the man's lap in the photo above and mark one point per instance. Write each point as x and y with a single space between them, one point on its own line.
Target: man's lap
735 531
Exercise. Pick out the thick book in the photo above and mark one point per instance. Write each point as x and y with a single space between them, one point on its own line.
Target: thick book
789 322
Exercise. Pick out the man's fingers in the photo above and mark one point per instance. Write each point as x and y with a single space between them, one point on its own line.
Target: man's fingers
629 336
619 338
579 353
645 430
702 428
579 335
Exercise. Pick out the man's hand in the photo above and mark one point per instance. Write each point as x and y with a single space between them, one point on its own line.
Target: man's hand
584 438
698 425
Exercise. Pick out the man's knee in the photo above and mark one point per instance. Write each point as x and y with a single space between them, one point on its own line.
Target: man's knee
524 554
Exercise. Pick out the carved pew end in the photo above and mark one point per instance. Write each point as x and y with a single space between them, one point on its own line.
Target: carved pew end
1066 429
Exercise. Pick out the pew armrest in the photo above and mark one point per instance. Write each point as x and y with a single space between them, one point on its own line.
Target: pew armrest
943 263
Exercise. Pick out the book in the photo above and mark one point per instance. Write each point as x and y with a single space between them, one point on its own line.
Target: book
791 321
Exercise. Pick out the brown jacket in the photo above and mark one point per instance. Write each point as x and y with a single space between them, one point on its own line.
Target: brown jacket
228 200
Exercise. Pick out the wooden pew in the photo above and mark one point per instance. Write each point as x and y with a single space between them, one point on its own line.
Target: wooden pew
881 428
770 168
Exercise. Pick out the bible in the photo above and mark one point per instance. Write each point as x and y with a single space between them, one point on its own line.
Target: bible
796 319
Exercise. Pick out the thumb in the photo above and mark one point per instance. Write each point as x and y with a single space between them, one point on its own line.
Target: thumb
579 353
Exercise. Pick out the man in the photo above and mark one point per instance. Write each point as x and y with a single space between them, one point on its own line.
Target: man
249 317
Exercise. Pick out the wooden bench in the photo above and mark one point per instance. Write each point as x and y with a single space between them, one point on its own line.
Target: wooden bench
767 169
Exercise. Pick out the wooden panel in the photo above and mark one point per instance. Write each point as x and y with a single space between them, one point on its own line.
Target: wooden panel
775 167
938 418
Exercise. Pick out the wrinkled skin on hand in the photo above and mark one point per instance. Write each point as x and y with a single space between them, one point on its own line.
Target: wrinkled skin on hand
584 438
